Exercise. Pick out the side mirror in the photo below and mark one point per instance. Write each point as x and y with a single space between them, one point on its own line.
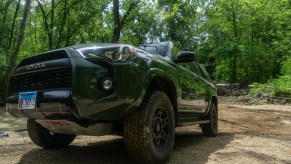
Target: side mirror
185 57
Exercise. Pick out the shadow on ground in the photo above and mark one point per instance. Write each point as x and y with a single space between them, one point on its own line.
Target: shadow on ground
193 147
189 147
100 152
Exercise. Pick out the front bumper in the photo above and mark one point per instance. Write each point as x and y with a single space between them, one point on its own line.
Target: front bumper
49 104
61 105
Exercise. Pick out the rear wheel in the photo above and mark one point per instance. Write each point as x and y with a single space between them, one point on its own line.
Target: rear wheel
149 132
45 138
210 129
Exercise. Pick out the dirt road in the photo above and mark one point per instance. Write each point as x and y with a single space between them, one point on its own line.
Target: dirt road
247 134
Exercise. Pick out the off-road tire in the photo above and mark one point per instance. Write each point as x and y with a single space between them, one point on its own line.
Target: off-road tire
210 129
45 138
149 132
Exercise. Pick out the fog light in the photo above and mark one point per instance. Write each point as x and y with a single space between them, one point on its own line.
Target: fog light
107 84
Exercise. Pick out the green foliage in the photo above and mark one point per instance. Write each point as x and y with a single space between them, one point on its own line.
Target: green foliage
243 41
180 22
222 72
286 66
249 37
141 28
266 89
276 87
282 86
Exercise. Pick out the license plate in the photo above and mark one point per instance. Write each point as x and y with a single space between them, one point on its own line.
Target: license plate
27 100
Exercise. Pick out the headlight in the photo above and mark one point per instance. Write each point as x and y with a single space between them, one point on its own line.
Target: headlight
114 53
123 53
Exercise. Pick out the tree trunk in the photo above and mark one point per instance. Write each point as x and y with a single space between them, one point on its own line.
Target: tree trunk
118 24
4 30
47 26
52 20
13 24
65 14
117 27
15 51
235 53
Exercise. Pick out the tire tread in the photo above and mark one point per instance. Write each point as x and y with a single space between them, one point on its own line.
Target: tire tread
46 139
135 130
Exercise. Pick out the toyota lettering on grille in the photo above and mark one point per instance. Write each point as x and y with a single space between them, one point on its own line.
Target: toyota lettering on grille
34 66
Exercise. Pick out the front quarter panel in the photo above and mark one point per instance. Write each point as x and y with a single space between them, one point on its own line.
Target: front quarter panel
148 67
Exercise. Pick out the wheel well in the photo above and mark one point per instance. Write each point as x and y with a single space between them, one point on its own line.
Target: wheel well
168 87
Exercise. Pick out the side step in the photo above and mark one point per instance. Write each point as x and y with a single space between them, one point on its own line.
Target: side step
188 121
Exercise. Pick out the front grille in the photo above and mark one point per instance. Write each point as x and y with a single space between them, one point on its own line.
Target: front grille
51 79
46 56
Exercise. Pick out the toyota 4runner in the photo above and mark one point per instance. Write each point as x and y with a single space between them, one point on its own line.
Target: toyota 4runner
141 93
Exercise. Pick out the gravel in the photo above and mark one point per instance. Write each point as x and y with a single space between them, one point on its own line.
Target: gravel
247 134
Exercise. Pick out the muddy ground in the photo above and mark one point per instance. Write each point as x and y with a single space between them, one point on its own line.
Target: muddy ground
247 134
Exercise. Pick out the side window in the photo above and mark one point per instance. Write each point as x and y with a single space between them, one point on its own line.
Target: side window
193 67
204 73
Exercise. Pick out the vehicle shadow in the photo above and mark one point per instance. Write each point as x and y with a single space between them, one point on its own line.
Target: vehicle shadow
189 147
193 147
112 151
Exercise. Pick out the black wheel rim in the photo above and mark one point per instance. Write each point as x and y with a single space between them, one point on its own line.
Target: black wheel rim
160 128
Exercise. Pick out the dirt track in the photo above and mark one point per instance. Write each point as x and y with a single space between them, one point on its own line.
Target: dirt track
247 134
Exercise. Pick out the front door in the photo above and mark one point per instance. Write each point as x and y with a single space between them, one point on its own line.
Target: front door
193 89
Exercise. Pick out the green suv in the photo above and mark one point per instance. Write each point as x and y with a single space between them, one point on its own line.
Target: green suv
141 93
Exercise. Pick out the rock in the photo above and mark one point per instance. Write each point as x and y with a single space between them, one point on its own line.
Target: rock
4 134
231 90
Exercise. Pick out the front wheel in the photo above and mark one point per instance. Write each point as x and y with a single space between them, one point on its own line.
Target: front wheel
149 131
45 138
210 129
